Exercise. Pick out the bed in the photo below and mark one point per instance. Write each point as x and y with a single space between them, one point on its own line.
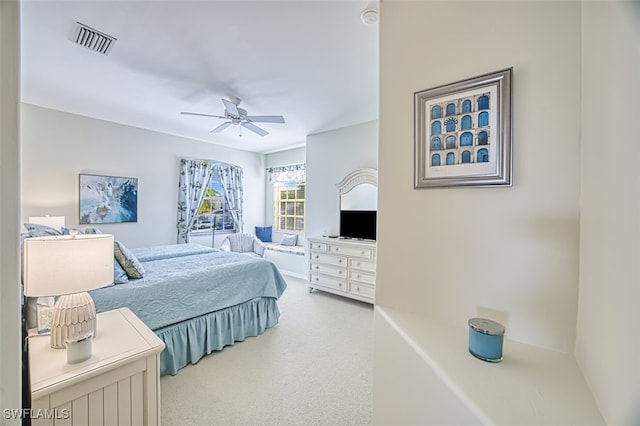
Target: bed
197 299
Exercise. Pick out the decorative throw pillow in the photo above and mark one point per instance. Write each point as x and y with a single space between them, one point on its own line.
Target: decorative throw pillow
67 231
128 261
264 233
119 275
41 230
289 240
92 231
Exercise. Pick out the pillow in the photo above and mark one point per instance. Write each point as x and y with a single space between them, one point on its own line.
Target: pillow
289 240
264 233
127 260
92 231
67 231
119 275
41 230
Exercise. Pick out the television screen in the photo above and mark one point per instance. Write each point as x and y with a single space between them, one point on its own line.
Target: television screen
359 224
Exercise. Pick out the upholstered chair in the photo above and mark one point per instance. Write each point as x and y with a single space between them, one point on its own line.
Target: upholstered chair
243 243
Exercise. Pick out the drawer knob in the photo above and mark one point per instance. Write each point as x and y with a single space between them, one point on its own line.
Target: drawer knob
317 279
337 248
363 252
339 260
317 267
317 256
358 276
357 288
339 284
340 272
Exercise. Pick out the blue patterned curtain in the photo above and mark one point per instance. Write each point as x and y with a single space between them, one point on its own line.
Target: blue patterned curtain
195 176
231 179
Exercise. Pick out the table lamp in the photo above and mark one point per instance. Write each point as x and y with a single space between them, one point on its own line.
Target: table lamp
68 266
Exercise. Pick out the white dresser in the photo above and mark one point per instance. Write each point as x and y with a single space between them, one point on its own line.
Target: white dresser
343 266
118 385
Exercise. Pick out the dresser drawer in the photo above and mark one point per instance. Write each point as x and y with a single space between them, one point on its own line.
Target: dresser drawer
352 251
326 281
314 246
363 265
362 277
322 268
362 290
329 258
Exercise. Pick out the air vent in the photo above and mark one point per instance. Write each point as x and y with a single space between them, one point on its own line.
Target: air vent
93 39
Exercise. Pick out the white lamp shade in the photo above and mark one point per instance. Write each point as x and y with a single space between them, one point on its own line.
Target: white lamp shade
54 266
55 222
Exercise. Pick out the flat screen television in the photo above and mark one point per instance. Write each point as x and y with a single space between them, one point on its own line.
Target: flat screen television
359 224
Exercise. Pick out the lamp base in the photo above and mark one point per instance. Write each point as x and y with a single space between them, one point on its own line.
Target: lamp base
73 314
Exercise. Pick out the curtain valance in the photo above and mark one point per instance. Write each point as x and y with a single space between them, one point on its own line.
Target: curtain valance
291 173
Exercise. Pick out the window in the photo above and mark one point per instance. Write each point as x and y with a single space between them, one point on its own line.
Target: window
289 200
214 211
289 192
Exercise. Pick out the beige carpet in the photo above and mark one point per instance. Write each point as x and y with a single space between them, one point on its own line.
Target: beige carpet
313 368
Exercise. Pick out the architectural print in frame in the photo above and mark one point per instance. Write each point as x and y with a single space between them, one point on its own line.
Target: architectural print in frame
108 199
463 133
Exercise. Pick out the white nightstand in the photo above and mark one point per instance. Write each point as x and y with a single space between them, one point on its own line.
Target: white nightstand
118 385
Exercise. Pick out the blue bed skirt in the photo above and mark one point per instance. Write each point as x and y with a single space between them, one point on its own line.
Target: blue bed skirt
188 341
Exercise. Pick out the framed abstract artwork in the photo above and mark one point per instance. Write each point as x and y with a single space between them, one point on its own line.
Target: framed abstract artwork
463 133
108 199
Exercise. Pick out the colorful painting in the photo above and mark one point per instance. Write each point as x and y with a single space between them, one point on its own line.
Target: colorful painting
108 199
463 133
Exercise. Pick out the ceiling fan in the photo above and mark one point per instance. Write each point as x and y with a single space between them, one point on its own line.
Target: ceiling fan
238 116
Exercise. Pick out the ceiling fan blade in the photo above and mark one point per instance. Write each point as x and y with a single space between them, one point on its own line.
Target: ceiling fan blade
200 114
231 107
221 127
266 118
254 128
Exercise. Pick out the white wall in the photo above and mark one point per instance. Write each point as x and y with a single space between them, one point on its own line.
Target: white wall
607 345
277 159
57 147
330 157
10 337
510 252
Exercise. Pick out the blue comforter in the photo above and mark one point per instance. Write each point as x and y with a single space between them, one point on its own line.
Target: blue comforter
188 280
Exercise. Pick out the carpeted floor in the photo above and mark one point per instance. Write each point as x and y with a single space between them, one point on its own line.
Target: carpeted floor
314 368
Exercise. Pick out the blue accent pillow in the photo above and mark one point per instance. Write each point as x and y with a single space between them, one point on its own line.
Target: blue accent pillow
92 231
264 233
289 240
128 261
119 275
67 231
37 230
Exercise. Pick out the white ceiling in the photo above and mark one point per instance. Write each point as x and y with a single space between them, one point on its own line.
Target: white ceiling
314 62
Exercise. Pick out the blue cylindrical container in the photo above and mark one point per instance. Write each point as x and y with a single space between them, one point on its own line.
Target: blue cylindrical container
485 339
